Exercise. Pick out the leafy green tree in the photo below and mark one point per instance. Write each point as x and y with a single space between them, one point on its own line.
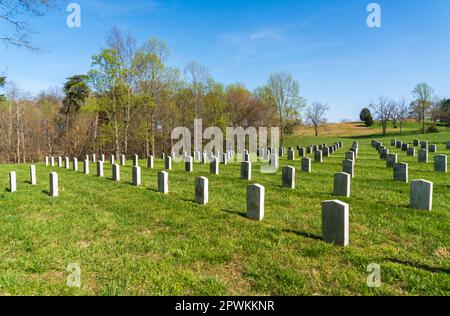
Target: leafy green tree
77 91
366 117
286 93
106 81
423 95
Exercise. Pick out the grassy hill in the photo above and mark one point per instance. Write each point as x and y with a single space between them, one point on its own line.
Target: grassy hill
134 241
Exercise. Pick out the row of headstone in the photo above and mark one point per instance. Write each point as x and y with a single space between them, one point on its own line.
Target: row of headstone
335 214
440 161
421 191
54 192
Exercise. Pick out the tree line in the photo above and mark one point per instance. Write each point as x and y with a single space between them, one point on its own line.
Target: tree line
425 107
130 101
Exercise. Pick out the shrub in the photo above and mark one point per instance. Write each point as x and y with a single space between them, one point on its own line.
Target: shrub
432 129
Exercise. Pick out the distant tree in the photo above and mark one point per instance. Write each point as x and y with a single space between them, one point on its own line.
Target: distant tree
366 117
286 93
423 100
444 114
77 91
315 115
383 111
401 110
2 84
14 28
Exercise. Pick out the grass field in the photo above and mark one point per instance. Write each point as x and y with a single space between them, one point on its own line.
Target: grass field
134 241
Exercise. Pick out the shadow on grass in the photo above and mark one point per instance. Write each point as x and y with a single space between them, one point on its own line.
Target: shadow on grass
418 266
302 234
242 214
46 192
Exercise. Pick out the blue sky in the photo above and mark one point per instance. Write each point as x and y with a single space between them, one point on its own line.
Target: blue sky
325 44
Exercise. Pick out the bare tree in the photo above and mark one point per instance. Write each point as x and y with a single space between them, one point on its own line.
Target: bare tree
286 92
316 115
14 28
383 111
402 112
197 77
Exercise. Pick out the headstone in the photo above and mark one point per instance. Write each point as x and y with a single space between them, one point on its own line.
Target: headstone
94 158
60 164
189 164
54 190
255 201
33 180
421 195
306 164
350 155
288 177
405 147
308 149
52 161
326 152
201 190
393 142
136 175
214 166
411 151
399 144
246 170
281 152
75 164
122 160
355 150
401 172
135 160
391 160
204 158
150 161
224 159
342 184
423 155
116 172
432 148
163 182
424 145
291 154
416 143
99 168
168 163
67 163
46 161
447 146
274 161
335 222
384 153
112 159
440 163
348 166
86 166
102 158
318 156
12 181
301 152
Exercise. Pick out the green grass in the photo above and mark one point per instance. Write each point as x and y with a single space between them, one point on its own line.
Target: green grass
134 241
